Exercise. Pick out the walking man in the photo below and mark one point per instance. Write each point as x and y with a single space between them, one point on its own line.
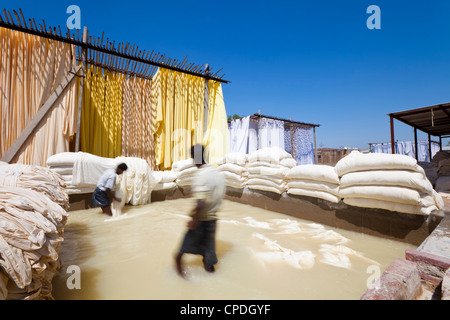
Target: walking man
208 188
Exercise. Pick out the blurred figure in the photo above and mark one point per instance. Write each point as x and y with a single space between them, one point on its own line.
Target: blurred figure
208 188
103 194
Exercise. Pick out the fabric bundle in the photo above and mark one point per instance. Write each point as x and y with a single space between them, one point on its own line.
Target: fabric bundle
318 181
35 178
267 168
233 167
135 185
185 170
386 181
31 229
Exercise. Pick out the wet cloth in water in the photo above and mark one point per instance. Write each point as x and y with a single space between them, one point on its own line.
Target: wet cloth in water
100 198
202 241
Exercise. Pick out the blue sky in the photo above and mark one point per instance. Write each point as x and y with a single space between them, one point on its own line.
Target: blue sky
315 61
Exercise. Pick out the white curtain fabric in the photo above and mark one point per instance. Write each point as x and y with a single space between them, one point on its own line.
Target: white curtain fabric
408 148
239 135
30 70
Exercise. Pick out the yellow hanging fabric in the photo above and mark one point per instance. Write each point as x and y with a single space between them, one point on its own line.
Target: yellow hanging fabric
216 136
101 125
179 103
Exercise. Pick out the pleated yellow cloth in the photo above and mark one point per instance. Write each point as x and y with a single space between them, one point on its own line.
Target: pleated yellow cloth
179 101
215 139
31 68
101 120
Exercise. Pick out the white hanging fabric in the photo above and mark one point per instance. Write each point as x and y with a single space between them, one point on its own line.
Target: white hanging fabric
239 135
270 133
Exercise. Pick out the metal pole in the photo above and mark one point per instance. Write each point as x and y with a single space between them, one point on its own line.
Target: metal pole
206 103
80 92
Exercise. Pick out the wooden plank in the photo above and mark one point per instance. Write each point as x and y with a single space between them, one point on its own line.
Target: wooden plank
42 112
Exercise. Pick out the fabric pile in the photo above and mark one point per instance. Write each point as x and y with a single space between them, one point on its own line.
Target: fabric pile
185 170
31 230
136 184
386 181
318 181
35 178
267 168
233 167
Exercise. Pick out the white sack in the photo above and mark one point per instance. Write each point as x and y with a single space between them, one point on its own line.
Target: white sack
391 206
233 157
315 194
403 178
183 164
272 155
314 172
313 185
388 193
357 161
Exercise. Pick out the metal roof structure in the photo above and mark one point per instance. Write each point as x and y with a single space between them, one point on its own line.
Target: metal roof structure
433 120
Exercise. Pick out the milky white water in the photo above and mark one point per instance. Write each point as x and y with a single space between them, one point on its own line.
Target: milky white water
262 255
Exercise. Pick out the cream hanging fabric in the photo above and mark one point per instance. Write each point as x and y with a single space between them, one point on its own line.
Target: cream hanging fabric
138 120
31 68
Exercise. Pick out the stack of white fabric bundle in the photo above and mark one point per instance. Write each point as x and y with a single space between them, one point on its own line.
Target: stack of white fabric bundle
267 168
233 167
185 170
62 164
80 170
318 181
36 178
31 228
386 181
166 179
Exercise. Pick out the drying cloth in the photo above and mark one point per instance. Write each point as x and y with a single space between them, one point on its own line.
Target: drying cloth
270 133
239 135
31 68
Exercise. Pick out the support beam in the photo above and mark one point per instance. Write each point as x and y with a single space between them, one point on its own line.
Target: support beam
415 144
316 156
392 134
40 115
429 146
